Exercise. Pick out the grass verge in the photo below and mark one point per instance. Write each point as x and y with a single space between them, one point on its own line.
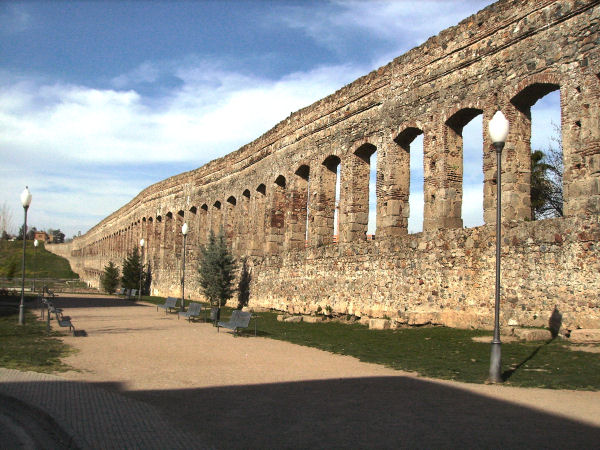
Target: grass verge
40 263
445 353
27 347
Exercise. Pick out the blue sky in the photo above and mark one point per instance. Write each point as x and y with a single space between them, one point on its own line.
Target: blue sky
98 100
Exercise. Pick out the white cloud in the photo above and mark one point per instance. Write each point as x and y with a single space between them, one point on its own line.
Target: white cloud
65 136
403 24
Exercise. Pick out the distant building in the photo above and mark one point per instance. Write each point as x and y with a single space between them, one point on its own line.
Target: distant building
42 236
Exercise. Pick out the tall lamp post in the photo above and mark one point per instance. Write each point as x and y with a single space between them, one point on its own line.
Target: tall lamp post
184 231
142 242
35 246
25 201
498 129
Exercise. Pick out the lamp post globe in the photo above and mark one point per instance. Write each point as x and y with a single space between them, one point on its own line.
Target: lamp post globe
25 201
184 231
142 243
498 130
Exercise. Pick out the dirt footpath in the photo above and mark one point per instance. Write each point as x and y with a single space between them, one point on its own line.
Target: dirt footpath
270 393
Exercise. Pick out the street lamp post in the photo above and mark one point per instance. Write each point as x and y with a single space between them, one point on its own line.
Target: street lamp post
498 129
25 201
142 242
184 231
35 246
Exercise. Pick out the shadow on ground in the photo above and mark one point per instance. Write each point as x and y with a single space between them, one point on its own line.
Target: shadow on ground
381 412
95 302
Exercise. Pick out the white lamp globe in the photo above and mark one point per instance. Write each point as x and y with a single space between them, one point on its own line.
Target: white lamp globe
498 128
35 243
142 242
26 197
184 229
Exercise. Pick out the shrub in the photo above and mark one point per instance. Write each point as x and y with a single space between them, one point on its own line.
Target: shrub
109 280
216 270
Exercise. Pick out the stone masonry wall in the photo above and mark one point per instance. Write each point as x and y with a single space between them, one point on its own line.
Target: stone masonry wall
275 197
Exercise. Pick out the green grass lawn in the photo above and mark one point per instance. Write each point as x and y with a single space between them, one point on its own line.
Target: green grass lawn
39 263
446 353
27 347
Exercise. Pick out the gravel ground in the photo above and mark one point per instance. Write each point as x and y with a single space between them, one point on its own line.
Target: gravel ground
252 392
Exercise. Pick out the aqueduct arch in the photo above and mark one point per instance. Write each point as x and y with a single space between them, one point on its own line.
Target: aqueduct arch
276 196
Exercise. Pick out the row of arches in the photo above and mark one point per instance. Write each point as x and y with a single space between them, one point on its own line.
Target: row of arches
329 199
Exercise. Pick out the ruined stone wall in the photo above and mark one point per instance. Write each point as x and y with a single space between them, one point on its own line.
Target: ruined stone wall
266 194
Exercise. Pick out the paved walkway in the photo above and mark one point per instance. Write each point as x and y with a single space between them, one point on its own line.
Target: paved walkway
89 416
147 380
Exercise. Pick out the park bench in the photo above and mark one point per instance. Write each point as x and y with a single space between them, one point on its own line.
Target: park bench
238 320
169 304
61 320
64 321
194 310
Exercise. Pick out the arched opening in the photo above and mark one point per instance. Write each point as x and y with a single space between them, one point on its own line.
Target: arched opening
538 146
301 208
464 174
330 199
411 178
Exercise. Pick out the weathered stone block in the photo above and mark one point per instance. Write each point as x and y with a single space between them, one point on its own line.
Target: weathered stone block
313 319
532 334
584 336
293 319
379 324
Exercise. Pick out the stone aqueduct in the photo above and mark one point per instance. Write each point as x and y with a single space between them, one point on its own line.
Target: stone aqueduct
505 57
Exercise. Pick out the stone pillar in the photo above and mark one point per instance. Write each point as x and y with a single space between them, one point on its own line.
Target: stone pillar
257 224
433 182
276 216
295 234
355 187
229 222
178 221
580 126
243 231
450 196
216 217
394 165
490 183
516 164
203 224
322 203
157 246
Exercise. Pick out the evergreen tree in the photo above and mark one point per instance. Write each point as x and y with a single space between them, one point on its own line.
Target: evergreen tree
110 278
216 270
132 270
